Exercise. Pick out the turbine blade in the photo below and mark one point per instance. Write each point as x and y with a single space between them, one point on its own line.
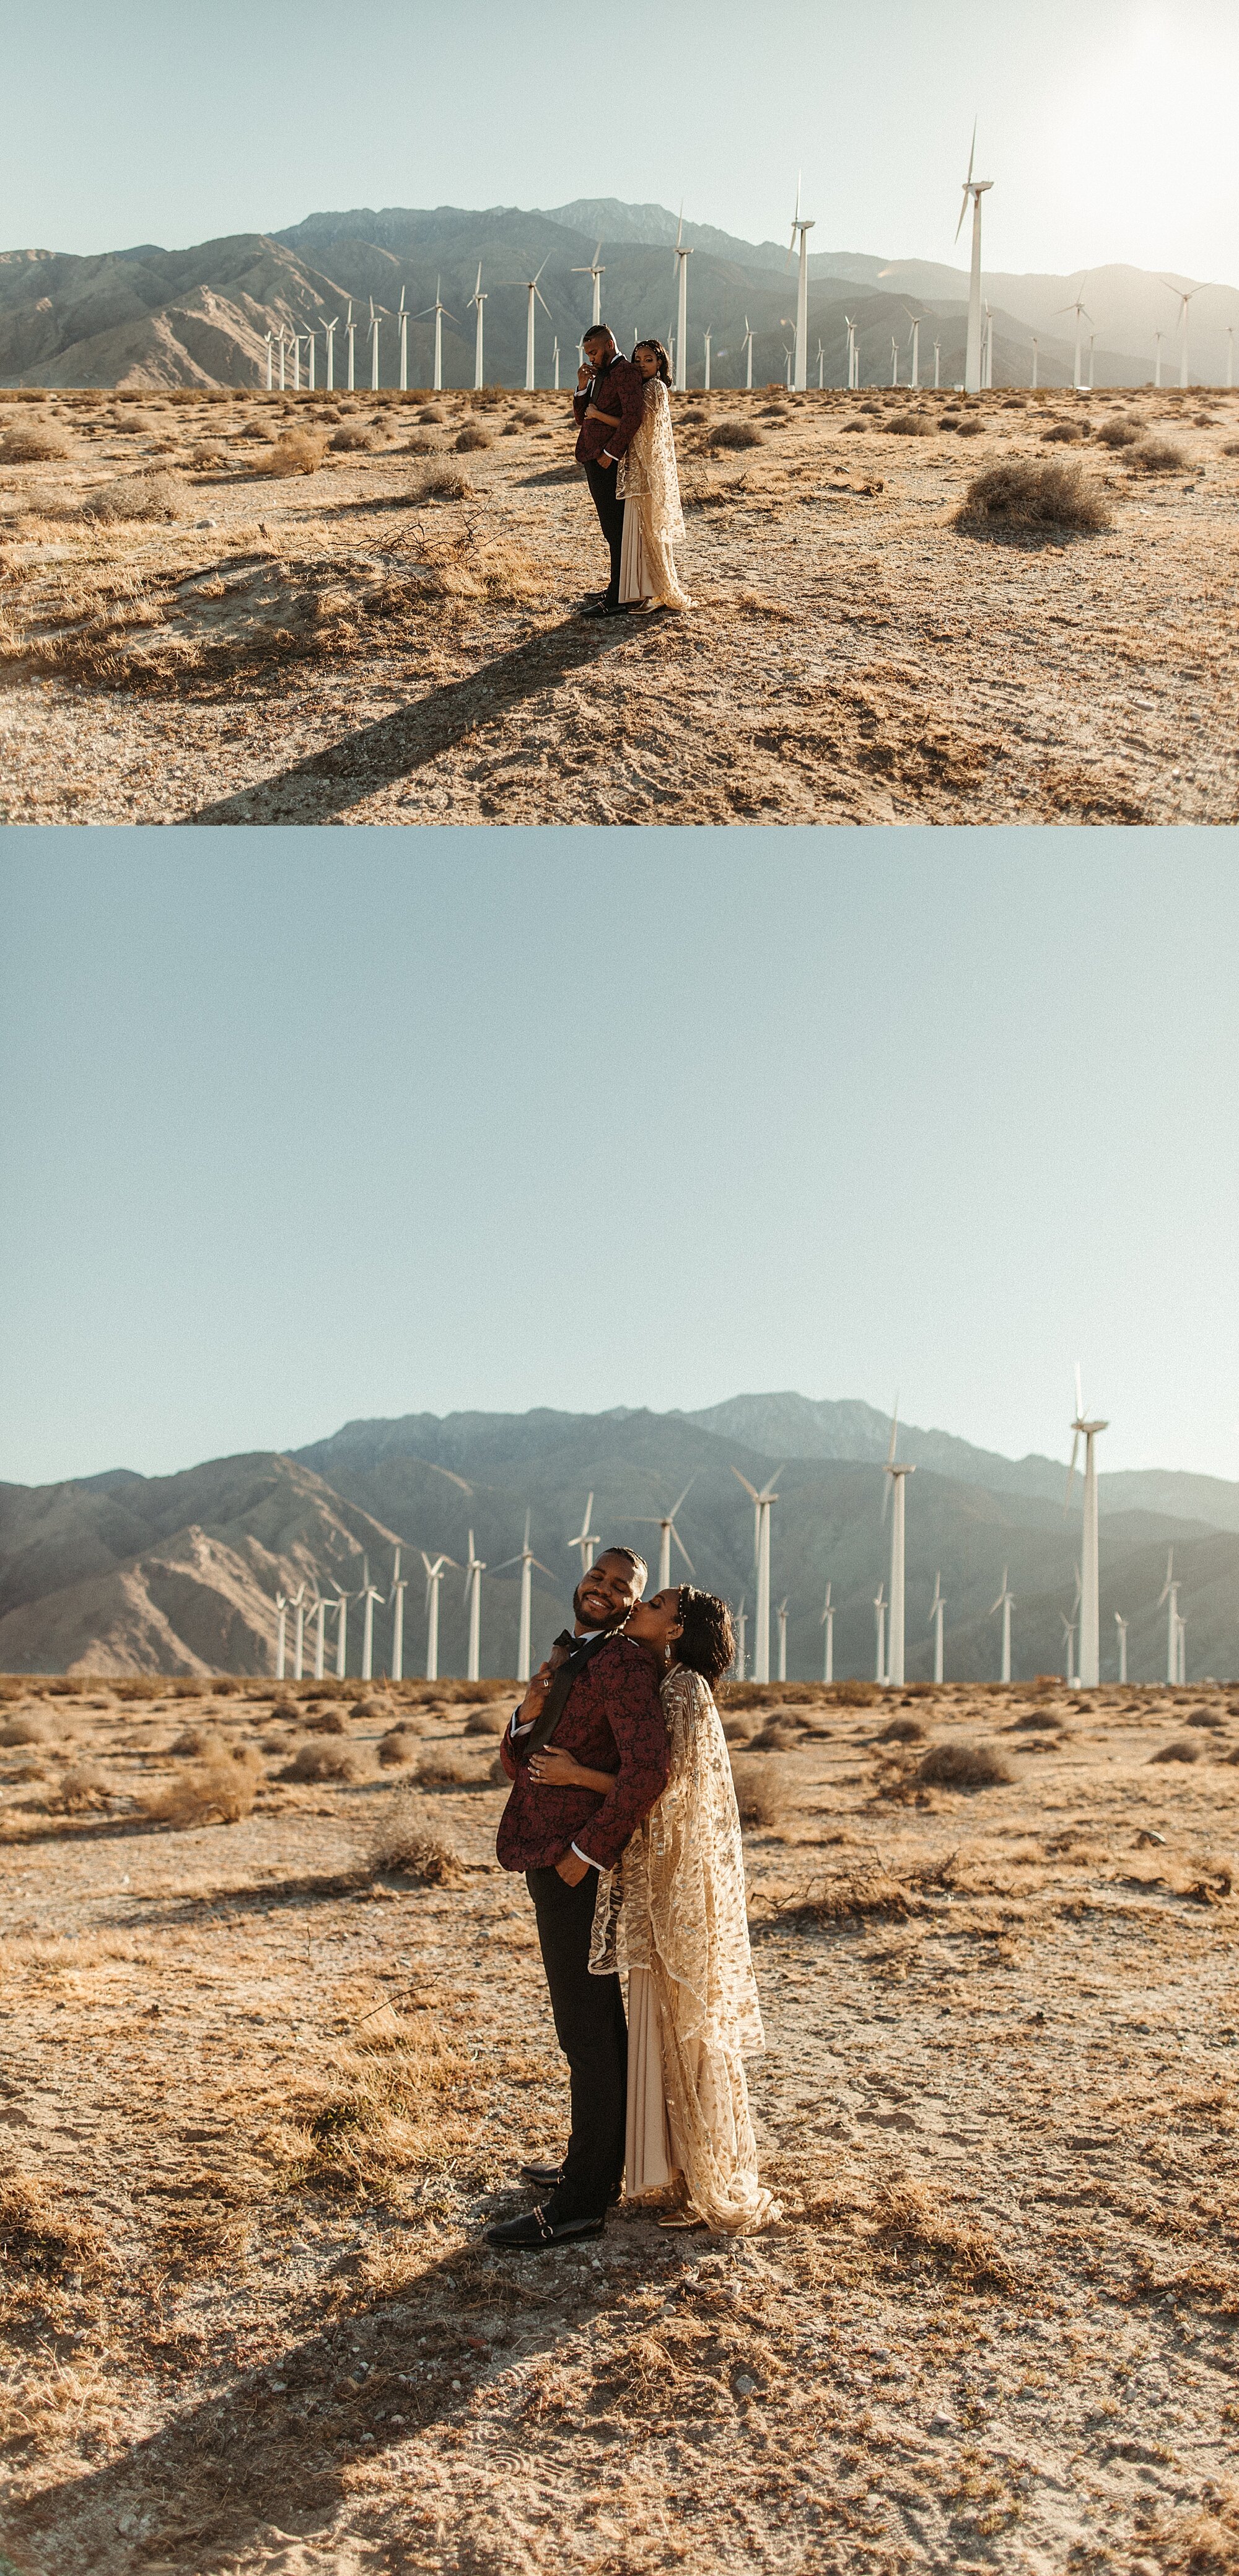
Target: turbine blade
749 1489
973 152
684 1552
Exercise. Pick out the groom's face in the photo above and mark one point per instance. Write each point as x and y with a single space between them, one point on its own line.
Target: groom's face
607 1593
599 349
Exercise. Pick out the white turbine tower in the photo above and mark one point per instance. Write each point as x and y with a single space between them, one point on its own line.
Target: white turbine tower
1090 1580
1185 296
742 1630
350 334
402 321
536 297
781 1616
438 308
761 1552
974 188
375 310
937 365
821 368
478 299
281 346
936 1608
802 224
370 1594
1069 1641
435 1569
1121 1625
526 1561
707 336
474 1571
895 1487
664 1523
894 360
1092 343
270 339
1170 1592
827 1622
683 253
1036 350
914 343
853 356
1230 357
1082 314
989 350
399 1583
879 1614
747 346
340 1606
597 270
1006 1604
329 335
1182 1664
281 1630
555 360
1157 358
298 1604
586 1539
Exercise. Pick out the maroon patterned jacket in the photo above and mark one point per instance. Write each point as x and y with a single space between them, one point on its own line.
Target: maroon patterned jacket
619 387
612 1720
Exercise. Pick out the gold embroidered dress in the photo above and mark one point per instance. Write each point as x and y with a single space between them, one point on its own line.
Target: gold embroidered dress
676 1902
649 485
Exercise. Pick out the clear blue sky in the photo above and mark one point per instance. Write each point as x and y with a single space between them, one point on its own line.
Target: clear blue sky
1108 125
300 1126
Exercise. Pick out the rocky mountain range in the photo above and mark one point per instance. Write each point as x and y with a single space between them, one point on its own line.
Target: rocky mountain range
122 1572
152 317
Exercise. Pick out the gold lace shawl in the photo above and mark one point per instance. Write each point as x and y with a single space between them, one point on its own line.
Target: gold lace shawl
677 1894
647 470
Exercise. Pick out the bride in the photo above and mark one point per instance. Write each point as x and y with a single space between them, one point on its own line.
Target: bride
676 1902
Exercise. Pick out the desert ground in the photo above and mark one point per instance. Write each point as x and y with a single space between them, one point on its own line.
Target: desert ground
275 2042
245 608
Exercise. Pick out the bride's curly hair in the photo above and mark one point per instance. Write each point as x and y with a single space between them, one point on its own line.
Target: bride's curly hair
707 1644
664 369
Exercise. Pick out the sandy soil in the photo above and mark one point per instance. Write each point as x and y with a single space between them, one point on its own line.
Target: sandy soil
258 2095
329 648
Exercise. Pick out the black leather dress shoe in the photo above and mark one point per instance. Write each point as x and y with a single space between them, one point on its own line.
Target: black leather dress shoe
546 2176
609 608
534 2234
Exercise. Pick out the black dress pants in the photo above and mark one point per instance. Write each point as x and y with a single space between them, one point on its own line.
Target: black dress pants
592 2032
610 509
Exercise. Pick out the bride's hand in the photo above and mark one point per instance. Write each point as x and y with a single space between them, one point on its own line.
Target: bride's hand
594 412
554 1770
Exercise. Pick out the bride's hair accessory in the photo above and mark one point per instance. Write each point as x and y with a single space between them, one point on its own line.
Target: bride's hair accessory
707 1641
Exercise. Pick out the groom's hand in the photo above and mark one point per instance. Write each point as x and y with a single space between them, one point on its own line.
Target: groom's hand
532 1704
572 1869
583 375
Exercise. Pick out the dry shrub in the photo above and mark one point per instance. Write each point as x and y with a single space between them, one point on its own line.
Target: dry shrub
970 429
327 1721
528 419
1025 494
420 445
909 424
137 496
852 1692
856 424
433 413
1118 433
397 1746
196 1740
1204 1717
762 1789
902 1730
27 1730
949 420
208 458
351 441
320 1762
470 440
441 483
1064 429
1155 456
780 1734
867 1894
450 1771
297 452
220 1790
407 1842
737 1729
462 567
81 1790
963 1766
34 446
1036 1721
1179 1749
737 433
485 1721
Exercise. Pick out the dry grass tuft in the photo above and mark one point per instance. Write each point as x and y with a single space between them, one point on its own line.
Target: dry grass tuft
1063 430
327 1721
80 1791
485 1721
737 433
1204 2541
441 483
1179 1749
1118 433
407 1842
450 1771
397 1746
763 1789
902 1730
928 2237
433 413
472 439
221 1790
35 446
1156 456
317 1762
963 1766
27 1730
970 429
40 2241
909 424
208 458
137 496
351 441
780 1734
738 1728
858 1896
1028 494
298 452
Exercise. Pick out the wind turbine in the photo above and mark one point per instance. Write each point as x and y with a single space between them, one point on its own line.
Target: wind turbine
320 1628
761 1551
1121 1625
478 299
340 1606
896 1475
435 1568
1004 1603
914 339
781 1616
1090 1581
350 334
747 346
1157 359
821 368
989 350
474 1572
1230 357
526 1561
1170 1592
282 383
555 360
683 253
936 1608
1092 343
270 338
788 355
853 355
1036 350
294 339
1181 1675
974 188
370 1594
827 1621
402 320
742 1630
802 224
536 297
1185 298
1069 1640
395 1598
894 360
707 336
298 1604
310 338
591 268
879 1609
375 310
281 1623
586 1539
664 1522
438 308
938 366
329 335
1081 313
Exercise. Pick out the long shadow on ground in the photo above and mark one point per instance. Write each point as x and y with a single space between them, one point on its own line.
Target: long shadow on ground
329 782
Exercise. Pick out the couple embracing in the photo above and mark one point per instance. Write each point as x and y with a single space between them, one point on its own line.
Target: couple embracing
623 1817
626 444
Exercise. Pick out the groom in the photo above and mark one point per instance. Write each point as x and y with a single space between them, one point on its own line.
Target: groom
613 385
600 1702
